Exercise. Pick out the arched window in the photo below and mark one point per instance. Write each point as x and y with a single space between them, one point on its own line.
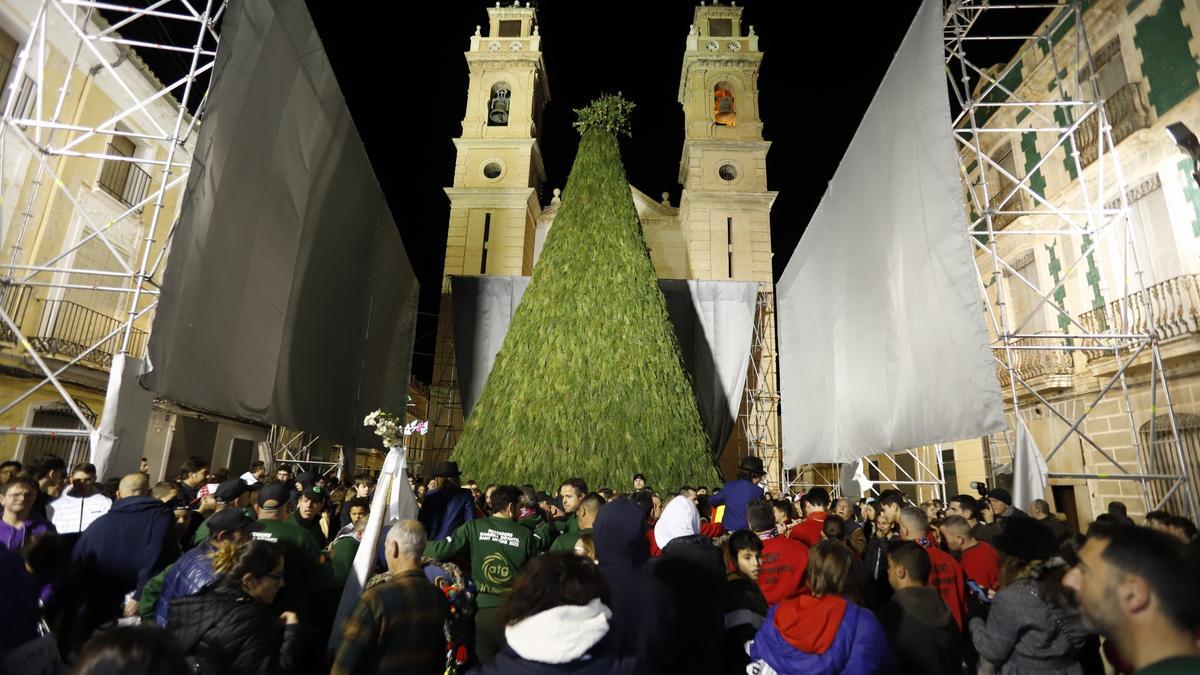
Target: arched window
498 105
723 110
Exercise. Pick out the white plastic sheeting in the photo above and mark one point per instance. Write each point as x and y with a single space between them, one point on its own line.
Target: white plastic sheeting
881 336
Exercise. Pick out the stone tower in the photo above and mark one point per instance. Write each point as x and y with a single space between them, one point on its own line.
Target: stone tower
725 209
494 200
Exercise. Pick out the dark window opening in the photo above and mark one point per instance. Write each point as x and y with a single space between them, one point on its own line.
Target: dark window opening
487 233
510 28
729 246
720 27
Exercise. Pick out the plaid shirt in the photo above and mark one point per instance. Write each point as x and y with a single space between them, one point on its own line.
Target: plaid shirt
396 627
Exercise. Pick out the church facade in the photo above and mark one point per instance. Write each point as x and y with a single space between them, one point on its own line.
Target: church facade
719 230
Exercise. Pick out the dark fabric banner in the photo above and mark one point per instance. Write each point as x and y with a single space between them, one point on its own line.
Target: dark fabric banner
288 298
713 321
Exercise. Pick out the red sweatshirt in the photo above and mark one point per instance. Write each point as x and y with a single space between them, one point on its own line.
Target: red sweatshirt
808 532
946 575
981 564
782 573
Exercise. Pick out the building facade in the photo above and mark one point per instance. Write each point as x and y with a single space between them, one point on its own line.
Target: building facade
47 209
719 230
1056 279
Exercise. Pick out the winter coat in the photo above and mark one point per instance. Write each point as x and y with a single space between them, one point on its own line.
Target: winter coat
694 571
922 632
564 639
1024 633
821 636
445 509
736 495
227 632
745 611
122 549
874 582
643 620
192 573
71 514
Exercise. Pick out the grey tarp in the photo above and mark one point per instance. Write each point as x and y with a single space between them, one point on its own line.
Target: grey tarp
288 298
713 320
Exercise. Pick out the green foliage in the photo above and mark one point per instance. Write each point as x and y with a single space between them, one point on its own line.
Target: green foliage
589 381
608 113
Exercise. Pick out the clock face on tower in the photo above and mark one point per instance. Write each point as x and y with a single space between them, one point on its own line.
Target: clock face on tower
516 46
735 46
712 46
494 46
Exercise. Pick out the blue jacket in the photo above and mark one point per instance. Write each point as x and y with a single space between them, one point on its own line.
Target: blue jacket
735 496
445 509
192 573
860 647
124 548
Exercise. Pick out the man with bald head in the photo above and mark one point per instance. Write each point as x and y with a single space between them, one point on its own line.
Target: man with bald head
117 554
396 627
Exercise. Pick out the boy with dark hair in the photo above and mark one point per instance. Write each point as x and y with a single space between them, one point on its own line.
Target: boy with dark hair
815 504
783 560
745 606
919 627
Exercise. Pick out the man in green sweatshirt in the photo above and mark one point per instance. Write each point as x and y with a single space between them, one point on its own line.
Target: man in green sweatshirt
498 546
585 514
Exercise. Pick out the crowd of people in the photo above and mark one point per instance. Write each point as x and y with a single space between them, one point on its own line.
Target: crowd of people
218 573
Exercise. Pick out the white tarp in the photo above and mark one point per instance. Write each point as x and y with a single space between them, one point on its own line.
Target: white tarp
881 336
119 443
1029 469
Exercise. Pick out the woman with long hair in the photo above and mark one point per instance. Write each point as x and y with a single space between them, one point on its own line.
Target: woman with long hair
823 630
229 628
1032 625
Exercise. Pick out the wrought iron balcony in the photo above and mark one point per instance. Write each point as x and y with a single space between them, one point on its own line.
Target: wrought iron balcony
1127 112
1170 308
15 300
124 180
68 330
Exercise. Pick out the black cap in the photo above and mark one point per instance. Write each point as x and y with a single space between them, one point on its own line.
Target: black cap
279 493
232 520
639 475
1000 495
231 490
316 493
543 497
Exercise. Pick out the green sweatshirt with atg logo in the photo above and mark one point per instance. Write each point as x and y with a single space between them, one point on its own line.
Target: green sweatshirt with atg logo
498 547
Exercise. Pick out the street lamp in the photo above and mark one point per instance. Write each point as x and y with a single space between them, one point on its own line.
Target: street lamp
1187 141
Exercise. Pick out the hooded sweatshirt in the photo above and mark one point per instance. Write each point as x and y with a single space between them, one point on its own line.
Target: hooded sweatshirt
694 571
679 519
121 550
821 636
563 639
922 631
643 614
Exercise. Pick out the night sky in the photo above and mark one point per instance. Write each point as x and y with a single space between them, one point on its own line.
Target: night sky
404 77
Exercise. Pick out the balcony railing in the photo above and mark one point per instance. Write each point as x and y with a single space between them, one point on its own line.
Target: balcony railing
1127 112
1045 368
124 180
68 329
1001 220
15 300
1170 308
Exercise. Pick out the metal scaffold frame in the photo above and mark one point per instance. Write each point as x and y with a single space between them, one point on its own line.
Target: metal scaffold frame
1007 209
33 120
759 417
